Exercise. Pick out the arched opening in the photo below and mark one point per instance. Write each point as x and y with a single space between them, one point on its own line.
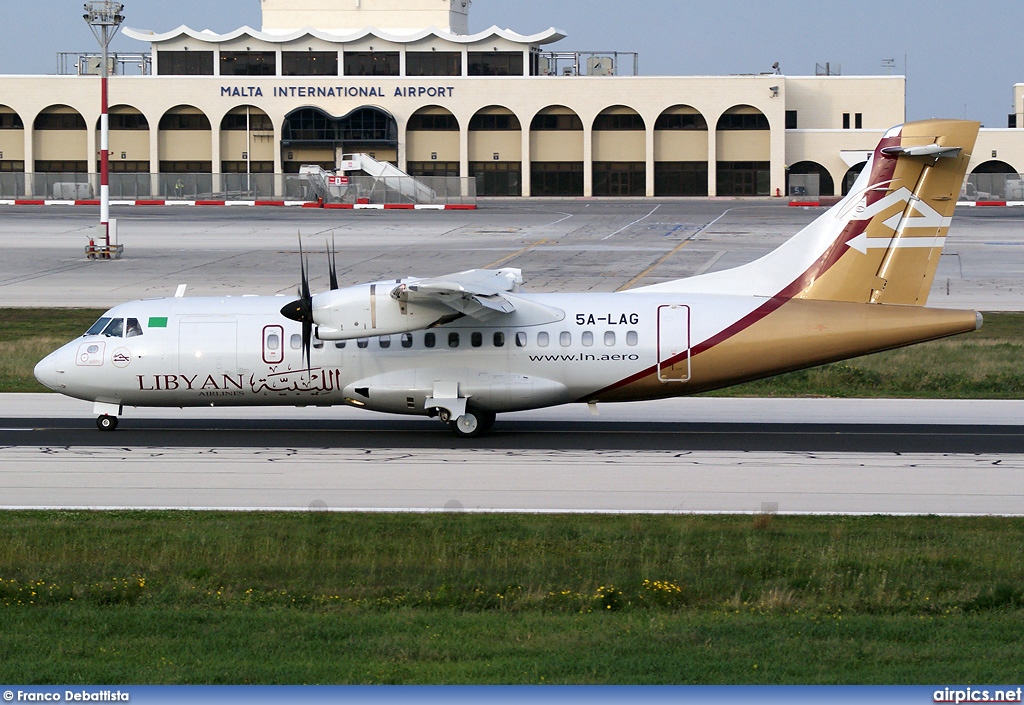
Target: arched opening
681 152
620 146
556 143
185 148
825 185
312 136
851 176
129 152
12 153
744 152
247 151
61 142
496 152
993 180
432 142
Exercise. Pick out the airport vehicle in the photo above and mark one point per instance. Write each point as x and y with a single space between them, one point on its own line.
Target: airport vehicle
471 345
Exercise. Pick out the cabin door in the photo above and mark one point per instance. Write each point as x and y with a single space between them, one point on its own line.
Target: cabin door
673 343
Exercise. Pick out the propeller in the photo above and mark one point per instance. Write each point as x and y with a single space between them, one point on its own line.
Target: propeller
332 266
301 310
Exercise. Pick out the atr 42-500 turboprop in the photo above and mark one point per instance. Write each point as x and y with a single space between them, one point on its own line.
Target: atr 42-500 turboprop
471 345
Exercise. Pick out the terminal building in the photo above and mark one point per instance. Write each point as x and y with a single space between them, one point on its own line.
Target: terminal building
405 82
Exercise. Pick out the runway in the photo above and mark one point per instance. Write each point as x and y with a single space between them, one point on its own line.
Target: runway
713 455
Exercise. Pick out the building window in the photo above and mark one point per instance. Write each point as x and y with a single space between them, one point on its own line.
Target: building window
681 121
556 178
858 121
185 121
184 63
432 168
257 122
124 166
743 121
497 178
11 121
498 122
12 166
59 121
744 178
620 179
371 63
846 121
791 122
309 63
433 122
127 121
185 167
495 63
248 63
433 63
619 121
61 167
556 121
681 179
249 167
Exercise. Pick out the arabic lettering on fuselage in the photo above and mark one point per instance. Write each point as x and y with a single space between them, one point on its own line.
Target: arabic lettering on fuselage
314 381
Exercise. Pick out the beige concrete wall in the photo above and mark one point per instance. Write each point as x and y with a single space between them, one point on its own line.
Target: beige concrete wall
61 145
620 146
680 146
556 146
12 145
289 15
744 146
134 143
185 145
820 101
484 143
420 145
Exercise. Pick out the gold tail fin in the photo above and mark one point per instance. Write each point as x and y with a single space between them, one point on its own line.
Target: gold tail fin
896 225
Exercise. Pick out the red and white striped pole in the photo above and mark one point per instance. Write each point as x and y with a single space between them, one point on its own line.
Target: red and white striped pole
104 18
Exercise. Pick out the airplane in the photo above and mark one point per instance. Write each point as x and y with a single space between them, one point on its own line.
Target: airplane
468 346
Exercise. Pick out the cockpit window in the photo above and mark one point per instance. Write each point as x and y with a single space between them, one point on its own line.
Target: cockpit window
98 327
114 329
134 328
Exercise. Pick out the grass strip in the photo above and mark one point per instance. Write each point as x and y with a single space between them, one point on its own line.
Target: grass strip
182 597
982 365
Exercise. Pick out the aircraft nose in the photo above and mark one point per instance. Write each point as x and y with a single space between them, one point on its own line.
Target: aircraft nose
46 371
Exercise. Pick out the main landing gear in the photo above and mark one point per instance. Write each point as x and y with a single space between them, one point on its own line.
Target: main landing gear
471 424
106 422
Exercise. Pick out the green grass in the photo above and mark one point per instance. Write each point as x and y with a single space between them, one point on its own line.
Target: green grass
165 597
988 364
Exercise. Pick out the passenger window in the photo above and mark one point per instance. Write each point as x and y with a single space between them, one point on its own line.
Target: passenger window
273 342
317 343
98 327
429 340
565 339
384 341
340 345
542 339
453 340
476 340
363 343
296 341
499 340
520 339
406 340
609 338
631 338
588 338
114 329
134 329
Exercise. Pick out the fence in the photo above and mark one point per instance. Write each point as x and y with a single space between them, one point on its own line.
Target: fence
442 190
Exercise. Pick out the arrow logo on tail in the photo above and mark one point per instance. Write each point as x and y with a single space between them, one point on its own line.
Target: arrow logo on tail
862 243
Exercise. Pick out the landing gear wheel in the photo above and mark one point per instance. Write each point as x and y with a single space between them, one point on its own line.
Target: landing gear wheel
106 423
472 423
467 426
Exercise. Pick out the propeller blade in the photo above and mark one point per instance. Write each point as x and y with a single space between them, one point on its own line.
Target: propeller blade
332 264
301 310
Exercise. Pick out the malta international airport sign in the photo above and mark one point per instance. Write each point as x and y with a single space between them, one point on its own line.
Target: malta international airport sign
337 91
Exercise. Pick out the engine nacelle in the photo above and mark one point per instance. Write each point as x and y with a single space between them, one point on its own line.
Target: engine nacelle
370 309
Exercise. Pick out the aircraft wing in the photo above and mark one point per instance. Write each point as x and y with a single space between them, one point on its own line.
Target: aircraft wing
478 293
